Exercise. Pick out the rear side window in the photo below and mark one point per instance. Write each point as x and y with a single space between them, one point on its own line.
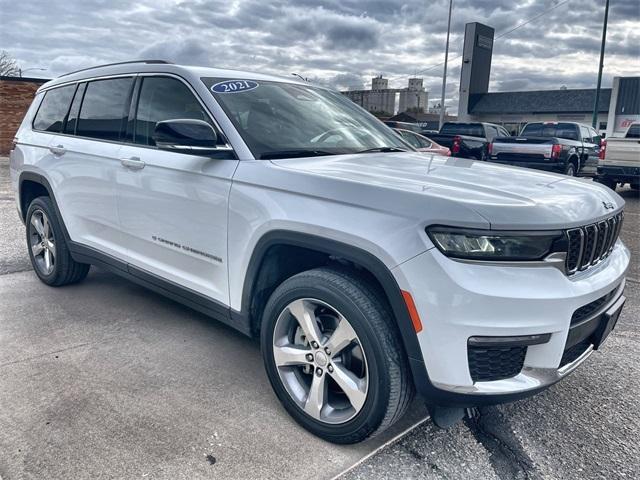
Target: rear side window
72 118
53 109
105 108
634 131
163 98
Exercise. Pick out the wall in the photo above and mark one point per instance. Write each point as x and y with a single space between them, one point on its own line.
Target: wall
16 95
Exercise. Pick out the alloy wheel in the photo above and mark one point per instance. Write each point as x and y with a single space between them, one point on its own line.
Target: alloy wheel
42 242
320 361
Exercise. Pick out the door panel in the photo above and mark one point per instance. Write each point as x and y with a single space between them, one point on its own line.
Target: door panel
84 177
173 213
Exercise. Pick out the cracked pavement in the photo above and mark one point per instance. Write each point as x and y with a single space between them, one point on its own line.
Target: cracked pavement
108 380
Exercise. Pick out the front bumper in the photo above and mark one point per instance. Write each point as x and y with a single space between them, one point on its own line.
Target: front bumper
458 300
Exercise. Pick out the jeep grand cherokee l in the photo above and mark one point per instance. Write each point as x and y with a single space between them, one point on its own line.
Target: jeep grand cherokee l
367 270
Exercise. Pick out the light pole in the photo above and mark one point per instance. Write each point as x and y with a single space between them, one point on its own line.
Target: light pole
446 59
594 120
21 71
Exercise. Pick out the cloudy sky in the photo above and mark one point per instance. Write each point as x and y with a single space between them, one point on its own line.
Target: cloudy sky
342 43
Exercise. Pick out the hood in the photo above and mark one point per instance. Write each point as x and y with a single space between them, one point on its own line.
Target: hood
506 197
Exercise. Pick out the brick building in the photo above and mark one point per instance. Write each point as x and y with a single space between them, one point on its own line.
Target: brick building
16 95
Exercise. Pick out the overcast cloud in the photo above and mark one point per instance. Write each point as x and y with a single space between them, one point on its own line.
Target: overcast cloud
341 43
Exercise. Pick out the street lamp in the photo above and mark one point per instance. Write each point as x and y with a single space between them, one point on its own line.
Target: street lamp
446 59
21 71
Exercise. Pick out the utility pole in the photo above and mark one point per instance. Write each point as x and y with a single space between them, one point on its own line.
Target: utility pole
446 59
594 120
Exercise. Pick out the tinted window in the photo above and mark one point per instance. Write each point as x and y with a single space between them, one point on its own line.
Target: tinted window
470 129
53 109
72 119
161 99
560 130
634 131
412 139
104 109
586 135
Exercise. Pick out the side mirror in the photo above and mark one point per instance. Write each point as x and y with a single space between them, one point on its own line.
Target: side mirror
185 135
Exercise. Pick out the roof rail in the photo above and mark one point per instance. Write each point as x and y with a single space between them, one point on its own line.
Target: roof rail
117 63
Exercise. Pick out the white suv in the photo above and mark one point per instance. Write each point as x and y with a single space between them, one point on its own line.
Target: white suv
286 211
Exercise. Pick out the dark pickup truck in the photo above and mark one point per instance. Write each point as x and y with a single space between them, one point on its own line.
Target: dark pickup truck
468 140
564 147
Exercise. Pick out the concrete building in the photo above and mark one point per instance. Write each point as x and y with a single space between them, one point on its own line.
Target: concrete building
414 98
16 94
617 106
382 100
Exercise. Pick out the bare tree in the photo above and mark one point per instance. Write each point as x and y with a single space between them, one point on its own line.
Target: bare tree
8 66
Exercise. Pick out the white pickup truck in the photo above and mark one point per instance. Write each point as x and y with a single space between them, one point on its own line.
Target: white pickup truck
620 159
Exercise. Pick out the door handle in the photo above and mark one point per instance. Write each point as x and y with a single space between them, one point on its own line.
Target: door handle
132 163
58 150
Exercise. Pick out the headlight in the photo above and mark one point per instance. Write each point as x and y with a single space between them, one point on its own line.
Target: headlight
496 245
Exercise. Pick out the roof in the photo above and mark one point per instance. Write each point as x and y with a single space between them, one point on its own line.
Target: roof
540 101
155 66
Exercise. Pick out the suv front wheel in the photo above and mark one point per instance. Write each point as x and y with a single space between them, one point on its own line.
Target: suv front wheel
48 250
333 355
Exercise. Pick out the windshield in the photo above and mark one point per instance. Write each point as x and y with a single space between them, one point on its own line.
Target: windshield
560 130
280 120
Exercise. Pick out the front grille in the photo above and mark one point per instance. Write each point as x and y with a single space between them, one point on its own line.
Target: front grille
495 363
587 310
593 243
571 354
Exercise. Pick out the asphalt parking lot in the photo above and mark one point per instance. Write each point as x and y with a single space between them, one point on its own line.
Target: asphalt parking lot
107 380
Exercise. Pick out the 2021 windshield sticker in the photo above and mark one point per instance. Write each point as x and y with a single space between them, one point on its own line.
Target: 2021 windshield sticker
234 86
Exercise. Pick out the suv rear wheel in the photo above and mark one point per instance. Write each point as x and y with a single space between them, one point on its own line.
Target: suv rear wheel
48 249
333 355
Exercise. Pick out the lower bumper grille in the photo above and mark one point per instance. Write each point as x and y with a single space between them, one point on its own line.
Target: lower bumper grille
495 363
571 354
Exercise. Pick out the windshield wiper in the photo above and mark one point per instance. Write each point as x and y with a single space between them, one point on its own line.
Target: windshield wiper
383 149
294 153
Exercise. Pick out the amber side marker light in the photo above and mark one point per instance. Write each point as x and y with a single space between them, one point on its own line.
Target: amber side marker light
413 311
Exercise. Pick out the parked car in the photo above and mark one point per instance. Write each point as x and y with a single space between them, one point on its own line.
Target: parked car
291 214
468 140
620 159
565 147
413 127
422 143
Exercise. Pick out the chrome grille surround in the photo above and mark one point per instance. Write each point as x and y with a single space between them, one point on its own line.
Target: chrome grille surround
590 244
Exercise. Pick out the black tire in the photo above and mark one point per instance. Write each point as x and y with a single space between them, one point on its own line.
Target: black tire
570 169
390 388
65 269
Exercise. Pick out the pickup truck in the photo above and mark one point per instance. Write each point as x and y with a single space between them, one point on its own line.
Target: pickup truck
620 159
564 147
468 140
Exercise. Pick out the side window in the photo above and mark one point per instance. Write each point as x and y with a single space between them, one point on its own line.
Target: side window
595 137
634 131
424 143
584 133
53 109
72 119
163 98
105 108
492 132
412 139
502 132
